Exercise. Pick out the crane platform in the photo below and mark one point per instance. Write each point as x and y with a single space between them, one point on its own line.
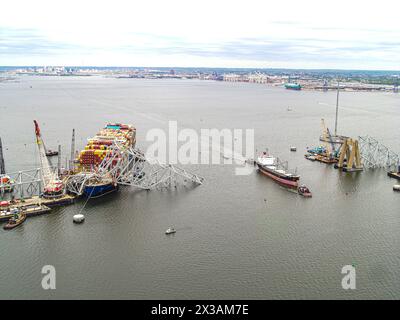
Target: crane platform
50 202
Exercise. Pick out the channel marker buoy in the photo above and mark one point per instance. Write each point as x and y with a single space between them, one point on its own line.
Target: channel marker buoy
78 218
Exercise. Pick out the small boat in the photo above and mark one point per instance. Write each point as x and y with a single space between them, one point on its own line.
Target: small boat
50 153
19 218
396 187
170 231
310 157
304 191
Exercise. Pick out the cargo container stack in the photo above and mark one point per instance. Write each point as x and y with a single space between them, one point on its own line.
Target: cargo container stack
98 147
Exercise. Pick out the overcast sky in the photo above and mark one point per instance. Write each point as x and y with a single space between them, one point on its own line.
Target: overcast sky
262 34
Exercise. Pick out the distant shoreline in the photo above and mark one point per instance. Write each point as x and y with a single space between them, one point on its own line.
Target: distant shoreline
307 84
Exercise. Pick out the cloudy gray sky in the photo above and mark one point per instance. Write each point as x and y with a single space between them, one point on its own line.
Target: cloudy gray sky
340 34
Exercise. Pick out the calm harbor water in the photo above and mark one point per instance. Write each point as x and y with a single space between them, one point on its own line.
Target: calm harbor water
230 243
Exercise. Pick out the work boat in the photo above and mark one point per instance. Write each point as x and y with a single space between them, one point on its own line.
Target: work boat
17 219
304 191
273 168
170 230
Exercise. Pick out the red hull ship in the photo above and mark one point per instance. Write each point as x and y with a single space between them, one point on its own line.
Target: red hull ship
271 167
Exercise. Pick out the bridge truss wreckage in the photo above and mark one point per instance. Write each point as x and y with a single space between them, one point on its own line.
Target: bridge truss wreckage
23 183
376 155
130 167
127 167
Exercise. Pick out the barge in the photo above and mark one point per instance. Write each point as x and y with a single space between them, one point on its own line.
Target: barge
29 210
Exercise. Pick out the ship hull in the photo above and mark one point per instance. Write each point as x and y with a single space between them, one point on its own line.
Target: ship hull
395 175
293 86
288 182
95 191
296 89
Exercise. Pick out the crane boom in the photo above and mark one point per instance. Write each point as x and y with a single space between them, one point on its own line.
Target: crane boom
331 141
51 183
2 166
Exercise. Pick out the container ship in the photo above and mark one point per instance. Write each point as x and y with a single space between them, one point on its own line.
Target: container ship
269 166
100 145
97 148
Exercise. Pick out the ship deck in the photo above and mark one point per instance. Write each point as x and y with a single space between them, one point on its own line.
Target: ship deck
30 210
35 200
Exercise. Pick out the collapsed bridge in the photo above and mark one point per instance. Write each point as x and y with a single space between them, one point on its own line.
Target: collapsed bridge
376 155
130 167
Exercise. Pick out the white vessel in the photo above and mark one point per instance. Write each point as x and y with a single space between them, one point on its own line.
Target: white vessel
170 230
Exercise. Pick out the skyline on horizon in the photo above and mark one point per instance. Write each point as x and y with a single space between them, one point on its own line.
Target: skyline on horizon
155 68
224 34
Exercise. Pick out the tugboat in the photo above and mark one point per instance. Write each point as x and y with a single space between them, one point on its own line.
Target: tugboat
304 191
18 218
273 168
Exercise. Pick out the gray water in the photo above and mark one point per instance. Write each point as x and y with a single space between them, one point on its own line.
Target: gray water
230 243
